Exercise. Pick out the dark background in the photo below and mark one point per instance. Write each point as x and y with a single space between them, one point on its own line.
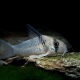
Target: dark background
62 20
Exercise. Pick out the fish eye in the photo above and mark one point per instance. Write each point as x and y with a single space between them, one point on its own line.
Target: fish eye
56 43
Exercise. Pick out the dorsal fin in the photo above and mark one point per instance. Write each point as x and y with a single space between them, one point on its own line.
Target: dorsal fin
34 33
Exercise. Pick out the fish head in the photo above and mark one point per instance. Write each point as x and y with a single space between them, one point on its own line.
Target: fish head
59 46
55 45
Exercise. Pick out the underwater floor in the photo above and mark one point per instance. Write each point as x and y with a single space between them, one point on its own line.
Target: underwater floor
30 72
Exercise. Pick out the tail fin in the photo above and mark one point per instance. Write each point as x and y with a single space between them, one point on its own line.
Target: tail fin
6 50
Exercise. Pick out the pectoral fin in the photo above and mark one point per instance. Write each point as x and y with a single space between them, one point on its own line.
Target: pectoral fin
49 53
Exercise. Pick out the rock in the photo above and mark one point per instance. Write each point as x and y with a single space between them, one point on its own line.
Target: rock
68 64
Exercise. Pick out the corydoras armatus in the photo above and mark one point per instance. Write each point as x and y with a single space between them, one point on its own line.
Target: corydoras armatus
36 46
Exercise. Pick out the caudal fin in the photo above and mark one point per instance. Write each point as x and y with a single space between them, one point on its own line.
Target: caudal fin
6 50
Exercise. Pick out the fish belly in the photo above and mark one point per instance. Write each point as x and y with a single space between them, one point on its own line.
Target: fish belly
33 50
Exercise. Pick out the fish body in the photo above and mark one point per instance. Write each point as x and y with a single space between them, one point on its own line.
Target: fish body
37 46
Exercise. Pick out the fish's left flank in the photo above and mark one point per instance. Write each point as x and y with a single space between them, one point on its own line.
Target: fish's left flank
36 46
